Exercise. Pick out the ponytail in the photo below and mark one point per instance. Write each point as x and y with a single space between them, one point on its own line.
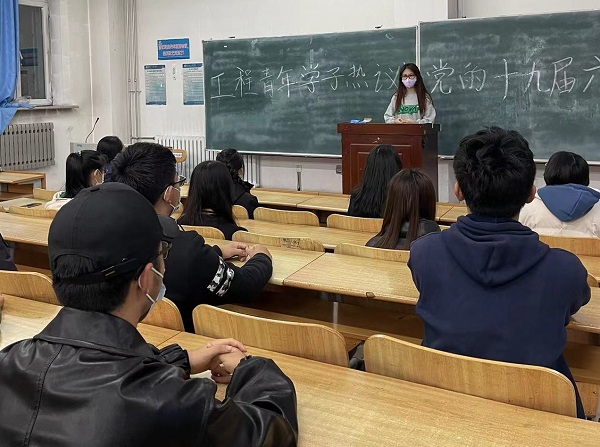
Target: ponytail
80 166
234 162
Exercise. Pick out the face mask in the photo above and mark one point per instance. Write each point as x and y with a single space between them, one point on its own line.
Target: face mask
161 292
409 83
175 207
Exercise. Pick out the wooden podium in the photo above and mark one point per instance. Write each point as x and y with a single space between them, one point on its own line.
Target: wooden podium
417 145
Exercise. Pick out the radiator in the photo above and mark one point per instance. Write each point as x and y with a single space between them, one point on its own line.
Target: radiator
196 153
27 146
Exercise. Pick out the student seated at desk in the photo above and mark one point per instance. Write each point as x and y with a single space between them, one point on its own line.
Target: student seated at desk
240 192
110 147
368 199
90 379
84 169
196 272
566 206
488 287
209 199
409 211
6 259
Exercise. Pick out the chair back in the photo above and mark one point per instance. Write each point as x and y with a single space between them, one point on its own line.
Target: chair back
372 252
43 194
29 285
180 155
165 314
307 340
592 281
301 243
368 225
239 212
286 217
584 246
523 385
33 212
210 232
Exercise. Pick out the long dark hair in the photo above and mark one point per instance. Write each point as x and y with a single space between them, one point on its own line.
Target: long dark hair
382 164
411 197
234 162
80 166
420 89
210 188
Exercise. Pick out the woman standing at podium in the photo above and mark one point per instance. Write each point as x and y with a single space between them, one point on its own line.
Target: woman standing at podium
412 103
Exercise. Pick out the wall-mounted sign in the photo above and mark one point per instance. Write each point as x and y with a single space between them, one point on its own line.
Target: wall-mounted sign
173 49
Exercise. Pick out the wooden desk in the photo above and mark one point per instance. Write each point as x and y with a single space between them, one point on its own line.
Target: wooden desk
392 281
289 199
334 203
453 214
285 260
356 276
22 201
329 237
343 407
19 183
591 264
29 230
441 209
22 318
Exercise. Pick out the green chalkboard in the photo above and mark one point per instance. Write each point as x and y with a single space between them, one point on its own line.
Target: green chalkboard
286 94
537 74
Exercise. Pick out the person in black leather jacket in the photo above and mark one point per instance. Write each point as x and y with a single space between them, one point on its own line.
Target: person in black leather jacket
89 379
196 272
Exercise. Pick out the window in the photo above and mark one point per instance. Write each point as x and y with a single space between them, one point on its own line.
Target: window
34 77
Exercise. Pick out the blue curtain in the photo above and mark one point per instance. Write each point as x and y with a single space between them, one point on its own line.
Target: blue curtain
9 59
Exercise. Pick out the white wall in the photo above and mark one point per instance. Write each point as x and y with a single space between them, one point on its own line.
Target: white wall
89 70
487 8
70 76
215 19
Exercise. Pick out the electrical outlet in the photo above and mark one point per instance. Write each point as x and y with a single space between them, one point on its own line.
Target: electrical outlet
298 168
338 169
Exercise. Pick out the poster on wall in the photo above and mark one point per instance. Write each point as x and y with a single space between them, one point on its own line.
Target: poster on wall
169 49
193 84
156 85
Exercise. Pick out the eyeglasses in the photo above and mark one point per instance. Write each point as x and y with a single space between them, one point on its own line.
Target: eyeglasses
409 76
166 247
179 183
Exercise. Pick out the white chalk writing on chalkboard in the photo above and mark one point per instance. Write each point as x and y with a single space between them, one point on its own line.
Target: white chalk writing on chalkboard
286 81
564 79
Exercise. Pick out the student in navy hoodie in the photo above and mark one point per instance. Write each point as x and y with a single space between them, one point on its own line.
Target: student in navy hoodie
567 206
488 287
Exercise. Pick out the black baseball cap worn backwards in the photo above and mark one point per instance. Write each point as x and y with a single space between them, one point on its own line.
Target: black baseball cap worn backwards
112 225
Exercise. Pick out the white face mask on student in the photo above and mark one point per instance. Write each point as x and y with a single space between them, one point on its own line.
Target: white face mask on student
161 292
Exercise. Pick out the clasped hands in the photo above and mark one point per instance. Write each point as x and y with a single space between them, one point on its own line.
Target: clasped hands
243 251
404 121
220 356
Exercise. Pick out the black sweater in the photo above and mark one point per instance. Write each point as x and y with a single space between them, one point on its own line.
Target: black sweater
197 274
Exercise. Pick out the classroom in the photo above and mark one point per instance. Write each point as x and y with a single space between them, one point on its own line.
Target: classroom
328 271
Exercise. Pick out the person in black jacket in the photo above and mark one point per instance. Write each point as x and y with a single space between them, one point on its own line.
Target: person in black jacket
209 199
240 193
368 198
89 378
196 272
109 146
